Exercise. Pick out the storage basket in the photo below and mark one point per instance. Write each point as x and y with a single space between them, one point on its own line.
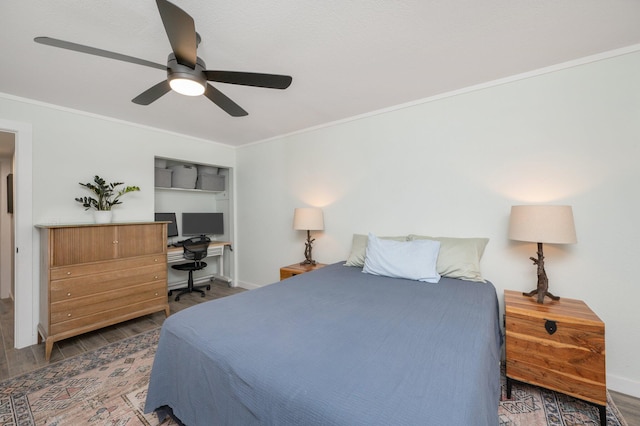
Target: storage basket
210 182
207 170
163 178
184 176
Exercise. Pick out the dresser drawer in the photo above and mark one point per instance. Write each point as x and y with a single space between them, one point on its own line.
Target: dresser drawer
71 288
102 303
102 319
84 269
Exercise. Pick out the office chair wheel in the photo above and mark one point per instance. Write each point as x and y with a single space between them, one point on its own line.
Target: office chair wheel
170 292
208 287
177 299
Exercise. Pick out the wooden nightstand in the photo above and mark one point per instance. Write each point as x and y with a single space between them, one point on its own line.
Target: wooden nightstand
558 345
297 269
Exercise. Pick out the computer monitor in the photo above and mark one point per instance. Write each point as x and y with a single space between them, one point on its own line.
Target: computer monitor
202 224
172 227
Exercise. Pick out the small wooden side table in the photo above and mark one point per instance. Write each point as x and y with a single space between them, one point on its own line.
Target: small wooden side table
558 345
297 269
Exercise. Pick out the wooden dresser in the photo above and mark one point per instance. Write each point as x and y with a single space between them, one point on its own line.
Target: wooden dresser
558 345
93 276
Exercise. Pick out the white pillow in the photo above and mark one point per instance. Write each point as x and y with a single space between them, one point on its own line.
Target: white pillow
413 260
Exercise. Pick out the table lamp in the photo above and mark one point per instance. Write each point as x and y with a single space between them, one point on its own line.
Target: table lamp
542 224
308 219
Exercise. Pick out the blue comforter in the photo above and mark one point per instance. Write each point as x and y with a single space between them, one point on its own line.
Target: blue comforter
334 347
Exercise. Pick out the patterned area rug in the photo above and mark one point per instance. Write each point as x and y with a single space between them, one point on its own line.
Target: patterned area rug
108 387
531 405
105 387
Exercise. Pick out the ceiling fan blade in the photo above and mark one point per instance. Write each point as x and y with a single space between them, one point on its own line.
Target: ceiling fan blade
181 31
152 94
220 99
271 81
97 52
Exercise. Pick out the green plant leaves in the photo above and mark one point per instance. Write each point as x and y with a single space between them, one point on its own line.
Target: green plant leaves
107 194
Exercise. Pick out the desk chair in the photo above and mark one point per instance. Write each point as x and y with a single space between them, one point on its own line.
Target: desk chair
194 249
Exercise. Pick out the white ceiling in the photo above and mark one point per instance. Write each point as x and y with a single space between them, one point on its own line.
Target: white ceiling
347 57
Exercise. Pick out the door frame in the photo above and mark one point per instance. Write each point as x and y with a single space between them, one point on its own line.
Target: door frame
26 296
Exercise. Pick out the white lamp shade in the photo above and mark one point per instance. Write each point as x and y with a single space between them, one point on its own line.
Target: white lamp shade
308 219
542 224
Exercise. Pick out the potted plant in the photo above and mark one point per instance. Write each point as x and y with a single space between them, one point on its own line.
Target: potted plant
107 196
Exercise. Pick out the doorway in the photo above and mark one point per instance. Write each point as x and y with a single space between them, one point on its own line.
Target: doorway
25 295
7 243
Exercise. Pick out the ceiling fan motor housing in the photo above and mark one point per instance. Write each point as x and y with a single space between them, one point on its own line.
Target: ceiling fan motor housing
178 71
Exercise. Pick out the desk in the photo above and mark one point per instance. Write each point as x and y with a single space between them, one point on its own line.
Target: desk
216 249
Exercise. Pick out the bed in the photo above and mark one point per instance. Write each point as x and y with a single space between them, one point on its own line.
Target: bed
334 347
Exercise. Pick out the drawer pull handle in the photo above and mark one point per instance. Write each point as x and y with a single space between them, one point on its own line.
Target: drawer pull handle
68 315
155 278
68 294
155 260
550 326
68 273
156 293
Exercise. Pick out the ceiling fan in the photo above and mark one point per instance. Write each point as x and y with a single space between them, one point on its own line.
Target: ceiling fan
186 72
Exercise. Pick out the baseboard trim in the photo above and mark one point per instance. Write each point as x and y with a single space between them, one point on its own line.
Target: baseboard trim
248 286
623 385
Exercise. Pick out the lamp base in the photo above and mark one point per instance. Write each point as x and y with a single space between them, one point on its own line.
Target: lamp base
542 289
308 260
541 295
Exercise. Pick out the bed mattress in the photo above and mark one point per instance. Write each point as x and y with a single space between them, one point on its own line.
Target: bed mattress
334 347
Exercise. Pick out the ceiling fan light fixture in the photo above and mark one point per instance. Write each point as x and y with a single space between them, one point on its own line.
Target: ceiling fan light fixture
184 79
186 86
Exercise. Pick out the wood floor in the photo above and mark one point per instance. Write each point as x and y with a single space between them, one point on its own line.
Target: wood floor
17 361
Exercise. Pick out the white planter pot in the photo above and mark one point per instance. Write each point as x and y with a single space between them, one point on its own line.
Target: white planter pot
102 216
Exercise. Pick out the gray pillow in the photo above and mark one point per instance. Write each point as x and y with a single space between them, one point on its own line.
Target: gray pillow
359 249
459 257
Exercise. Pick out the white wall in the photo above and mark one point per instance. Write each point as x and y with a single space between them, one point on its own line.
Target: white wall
71 147
454 167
